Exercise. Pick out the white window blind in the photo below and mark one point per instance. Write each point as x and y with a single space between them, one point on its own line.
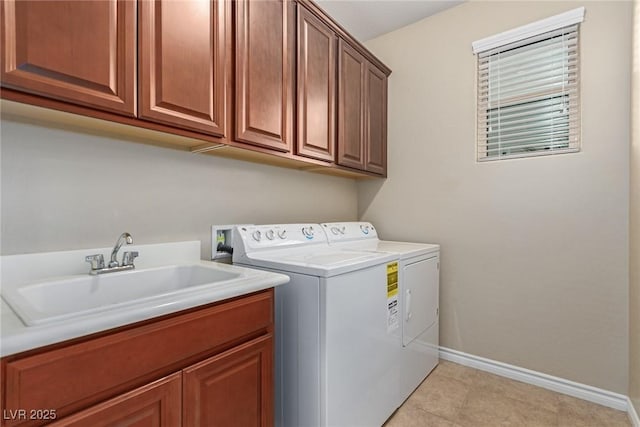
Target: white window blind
528 96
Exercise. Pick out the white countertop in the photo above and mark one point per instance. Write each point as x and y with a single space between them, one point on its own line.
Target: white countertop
16 337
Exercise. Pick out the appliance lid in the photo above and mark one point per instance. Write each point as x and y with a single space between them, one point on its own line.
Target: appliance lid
406 249
403 249
362 236
322 263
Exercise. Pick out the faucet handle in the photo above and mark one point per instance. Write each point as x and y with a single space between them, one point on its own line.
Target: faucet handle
97 261
128 257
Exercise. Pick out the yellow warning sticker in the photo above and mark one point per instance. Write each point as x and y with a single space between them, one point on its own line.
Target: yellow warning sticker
393 312
392 279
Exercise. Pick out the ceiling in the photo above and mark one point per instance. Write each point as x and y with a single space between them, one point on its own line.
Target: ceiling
366 19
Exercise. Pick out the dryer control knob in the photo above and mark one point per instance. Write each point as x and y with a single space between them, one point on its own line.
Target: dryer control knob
308 232
257 235
335 230
364 229
270 234
282 234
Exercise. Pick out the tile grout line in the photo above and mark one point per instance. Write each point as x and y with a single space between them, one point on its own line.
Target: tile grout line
464 402
475 385
456 421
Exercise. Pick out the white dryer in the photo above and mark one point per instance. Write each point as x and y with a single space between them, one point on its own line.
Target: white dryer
419 266
336 360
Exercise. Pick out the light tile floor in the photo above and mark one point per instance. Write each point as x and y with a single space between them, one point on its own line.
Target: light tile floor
457 396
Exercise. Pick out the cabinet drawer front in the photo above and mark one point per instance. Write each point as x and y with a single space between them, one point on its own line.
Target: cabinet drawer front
155 405
79 375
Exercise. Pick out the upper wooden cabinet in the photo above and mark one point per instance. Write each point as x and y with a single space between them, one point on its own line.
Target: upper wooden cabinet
77 51
375 124
351 108
316 87
275 77
183 63
362 112
264 60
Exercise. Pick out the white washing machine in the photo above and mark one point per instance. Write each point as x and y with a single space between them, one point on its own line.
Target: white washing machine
419 268
336 359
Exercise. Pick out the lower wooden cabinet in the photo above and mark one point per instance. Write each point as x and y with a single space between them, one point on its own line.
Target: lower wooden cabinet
211 366
231 389
155 405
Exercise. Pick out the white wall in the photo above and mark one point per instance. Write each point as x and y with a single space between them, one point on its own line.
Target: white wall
534 251
67 189
634 221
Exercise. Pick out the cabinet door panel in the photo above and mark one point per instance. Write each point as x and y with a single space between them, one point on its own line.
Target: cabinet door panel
376 120
264 73
183 58
154 405
76 51
351 72
234 388
316 87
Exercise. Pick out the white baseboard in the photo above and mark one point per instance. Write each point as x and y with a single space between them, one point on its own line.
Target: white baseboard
633 415
560 385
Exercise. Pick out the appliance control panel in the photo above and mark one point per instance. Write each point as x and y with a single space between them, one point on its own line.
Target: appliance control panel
348 231
256 237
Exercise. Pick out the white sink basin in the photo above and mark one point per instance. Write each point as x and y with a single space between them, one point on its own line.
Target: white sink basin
64 298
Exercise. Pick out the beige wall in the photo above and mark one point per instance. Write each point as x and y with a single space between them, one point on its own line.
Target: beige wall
66 190
634 216
534 251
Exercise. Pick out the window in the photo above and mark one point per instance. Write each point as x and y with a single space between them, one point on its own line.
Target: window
528 90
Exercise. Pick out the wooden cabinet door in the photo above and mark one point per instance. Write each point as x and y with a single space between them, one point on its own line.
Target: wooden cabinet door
183 63
316 87
264 59
82 52
234 388
154 405
351 95
376 120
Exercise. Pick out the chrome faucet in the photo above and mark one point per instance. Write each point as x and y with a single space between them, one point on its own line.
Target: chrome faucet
97 261
124 238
